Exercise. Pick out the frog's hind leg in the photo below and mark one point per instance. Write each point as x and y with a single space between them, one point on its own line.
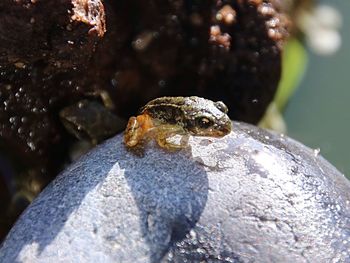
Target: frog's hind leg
136 129
167 131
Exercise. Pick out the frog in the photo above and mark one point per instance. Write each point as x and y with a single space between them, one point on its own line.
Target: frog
165 117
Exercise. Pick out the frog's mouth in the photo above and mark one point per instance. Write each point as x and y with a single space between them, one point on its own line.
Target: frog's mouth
222 130
212 132
221 133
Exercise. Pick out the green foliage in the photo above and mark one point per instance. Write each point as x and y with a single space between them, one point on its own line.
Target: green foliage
293 67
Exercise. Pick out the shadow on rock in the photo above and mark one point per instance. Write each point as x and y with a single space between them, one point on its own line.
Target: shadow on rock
170 199
103 194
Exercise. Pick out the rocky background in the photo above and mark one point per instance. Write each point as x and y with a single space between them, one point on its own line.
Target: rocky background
73 71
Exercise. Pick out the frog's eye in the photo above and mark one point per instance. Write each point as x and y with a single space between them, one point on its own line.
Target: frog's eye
221 106
204 122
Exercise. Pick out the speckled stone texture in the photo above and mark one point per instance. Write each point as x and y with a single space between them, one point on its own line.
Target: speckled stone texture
252 196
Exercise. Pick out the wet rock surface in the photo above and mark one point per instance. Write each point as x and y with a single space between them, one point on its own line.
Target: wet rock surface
252 196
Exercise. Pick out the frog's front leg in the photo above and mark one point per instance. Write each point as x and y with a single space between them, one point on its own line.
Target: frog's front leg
166 131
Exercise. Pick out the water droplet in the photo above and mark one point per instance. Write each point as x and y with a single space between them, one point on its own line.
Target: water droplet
114 82
142 41
174 18
193 234
161 83
69 27
24 119
317 152
31 146
12 120
6 103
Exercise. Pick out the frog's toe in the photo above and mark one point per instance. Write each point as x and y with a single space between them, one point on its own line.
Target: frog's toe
164 143
132 132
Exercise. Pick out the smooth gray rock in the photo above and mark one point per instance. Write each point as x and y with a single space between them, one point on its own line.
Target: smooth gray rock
251 196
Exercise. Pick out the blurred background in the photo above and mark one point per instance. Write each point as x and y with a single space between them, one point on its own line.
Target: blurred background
317 114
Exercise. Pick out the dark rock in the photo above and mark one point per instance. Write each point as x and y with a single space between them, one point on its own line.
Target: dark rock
43 46
178 47
252 196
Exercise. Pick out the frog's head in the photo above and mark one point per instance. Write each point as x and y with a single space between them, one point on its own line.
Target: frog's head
207 118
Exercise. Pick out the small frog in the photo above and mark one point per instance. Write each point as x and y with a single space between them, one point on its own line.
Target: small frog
165 117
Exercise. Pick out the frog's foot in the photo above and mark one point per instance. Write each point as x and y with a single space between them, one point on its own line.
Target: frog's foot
168 131
162 142
184 140
132 132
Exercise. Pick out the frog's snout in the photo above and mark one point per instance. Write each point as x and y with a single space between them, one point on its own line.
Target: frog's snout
222 129
225 129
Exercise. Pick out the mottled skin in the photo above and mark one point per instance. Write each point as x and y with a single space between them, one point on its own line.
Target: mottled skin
168 116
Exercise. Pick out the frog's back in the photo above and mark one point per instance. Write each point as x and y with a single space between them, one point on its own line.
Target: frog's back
182 102
165 109
164 101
